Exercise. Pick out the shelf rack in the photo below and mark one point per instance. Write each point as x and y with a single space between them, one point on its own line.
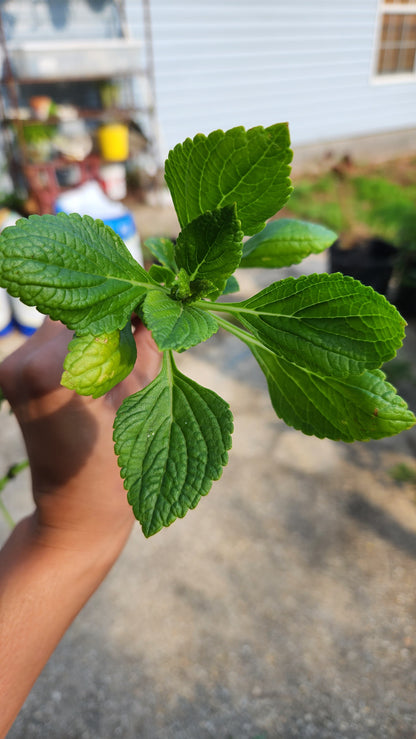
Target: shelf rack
41 178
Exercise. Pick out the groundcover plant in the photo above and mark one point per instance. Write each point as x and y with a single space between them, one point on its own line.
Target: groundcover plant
319 339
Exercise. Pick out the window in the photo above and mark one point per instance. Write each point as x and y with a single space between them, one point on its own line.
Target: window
396 49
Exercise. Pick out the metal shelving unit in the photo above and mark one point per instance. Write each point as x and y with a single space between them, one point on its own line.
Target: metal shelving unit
91 62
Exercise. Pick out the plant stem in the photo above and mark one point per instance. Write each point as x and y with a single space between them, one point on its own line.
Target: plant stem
223 307
6 515
239 332
12 472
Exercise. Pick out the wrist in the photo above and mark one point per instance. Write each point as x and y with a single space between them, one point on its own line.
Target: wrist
94 547
86 514
46 577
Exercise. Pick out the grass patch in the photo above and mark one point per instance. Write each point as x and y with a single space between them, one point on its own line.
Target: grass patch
403 473
373 200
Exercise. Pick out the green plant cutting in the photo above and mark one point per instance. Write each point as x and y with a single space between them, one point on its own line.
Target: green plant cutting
319 339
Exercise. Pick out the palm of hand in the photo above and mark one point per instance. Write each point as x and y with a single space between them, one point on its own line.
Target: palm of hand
76 479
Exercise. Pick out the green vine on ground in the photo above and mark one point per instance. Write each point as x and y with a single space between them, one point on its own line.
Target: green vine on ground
11 473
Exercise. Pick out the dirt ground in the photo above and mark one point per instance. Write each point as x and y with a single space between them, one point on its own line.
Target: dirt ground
284 606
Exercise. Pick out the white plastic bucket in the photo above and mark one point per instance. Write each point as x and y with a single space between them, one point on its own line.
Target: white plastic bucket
89 199
113 179
6 322
26 318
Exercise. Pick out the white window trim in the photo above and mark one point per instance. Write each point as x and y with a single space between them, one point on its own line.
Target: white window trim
388 79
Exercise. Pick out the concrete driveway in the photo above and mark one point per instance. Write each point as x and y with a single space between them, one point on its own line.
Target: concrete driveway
283 606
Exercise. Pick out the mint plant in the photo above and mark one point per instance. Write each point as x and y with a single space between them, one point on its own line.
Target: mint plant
319 339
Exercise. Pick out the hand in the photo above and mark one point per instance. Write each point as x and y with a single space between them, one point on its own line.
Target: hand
76 480
56 558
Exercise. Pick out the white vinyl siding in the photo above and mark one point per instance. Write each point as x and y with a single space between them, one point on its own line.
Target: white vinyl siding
222 63
238 62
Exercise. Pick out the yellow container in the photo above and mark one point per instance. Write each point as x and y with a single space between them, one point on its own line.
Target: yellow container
113 139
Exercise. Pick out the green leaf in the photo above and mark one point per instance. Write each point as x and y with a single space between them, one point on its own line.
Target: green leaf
203 289
75 269
209 248
174 324
163 249
94 364
162 275
355 408
172 439
181 289
285 242
249 168
231 286
330 324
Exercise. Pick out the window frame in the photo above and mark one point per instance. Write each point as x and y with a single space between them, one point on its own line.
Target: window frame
390 8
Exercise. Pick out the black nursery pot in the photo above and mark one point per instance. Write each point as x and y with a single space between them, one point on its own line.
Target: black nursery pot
405 297
405 301
369 260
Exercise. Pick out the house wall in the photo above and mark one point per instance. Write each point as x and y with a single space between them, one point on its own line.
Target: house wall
221 63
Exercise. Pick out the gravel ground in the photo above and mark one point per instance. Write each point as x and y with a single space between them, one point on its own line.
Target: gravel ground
283 606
